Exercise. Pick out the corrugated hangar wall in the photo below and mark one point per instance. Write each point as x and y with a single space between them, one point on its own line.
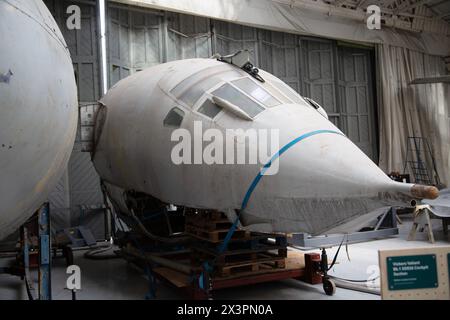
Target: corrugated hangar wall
78 193
337 76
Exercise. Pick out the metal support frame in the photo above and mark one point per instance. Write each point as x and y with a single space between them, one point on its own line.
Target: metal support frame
26 263
385 227
45 288
38 225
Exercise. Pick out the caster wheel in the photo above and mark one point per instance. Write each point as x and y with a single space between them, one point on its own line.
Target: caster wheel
329 287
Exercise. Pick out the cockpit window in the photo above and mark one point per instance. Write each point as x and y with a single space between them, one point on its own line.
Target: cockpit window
209 109
236 97
192 94
257 92
193 87
288 91
174 118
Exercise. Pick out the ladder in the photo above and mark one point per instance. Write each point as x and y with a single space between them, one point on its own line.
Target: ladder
417 151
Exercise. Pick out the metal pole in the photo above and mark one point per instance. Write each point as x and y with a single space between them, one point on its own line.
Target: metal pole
45 287
26 263
101 16
165 38
108 214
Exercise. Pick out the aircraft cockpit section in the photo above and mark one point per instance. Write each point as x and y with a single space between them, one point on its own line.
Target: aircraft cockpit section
210 91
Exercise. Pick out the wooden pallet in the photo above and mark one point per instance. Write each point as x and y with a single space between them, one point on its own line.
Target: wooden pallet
214 236
256 264
294 269
205 253
247 252
236 260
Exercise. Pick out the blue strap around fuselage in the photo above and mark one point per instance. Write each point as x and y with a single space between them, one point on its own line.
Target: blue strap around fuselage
258 177
276 156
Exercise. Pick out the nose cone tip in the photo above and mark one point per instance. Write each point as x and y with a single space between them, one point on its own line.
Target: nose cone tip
424 192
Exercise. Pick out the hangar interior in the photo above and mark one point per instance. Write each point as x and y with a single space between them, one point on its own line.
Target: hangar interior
338 76
321 49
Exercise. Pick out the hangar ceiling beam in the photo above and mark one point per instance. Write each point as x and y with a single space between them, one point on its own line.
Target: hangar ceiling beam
392 17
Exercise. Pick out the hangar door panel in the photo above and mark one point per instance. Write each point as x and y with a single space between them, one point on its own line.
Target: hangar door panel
134 40
82 45
279 55
188 37
356 98
229 38
318 75
79 186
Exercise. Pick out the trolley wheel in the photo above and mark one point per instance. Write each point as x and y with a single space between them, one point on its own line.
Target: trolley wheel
329 287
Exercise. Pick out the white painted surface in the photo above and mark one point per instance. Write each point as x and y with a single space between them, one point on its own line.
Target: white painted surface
38 109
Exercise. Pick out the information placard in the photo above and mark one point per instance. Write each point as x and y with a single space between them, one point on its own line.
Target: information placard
412 272
415 273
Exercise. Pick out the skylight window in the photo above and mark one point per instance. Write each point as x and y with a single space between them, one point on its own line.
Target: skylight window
257 92
239 99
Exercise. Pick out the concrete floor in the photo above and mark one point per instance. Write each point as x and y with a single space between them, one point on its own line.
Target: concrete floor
115 279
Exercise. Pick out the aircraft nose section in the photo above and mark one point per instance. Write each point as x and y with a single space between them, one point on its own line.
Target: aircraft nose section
322 163
325 163
323 182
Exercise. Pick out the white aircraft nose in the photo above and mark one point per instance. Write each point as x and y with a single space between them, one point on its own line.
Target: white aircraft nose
315 159
323 179
322 163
